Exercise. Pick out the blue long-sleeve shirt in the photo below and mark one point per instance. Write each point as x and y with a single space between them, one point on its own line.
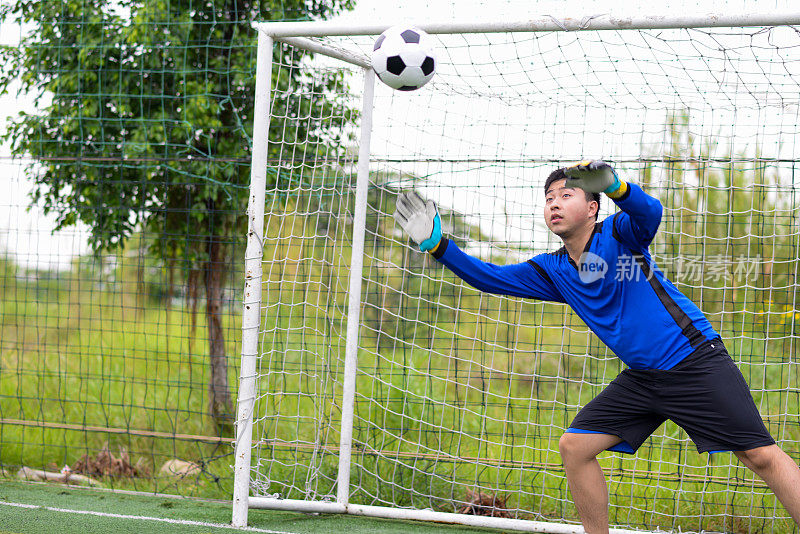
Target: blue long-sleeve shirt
617 289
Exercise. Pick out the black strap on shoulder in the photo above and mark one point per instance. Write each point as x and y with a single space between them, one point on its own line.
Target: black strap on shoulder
541 271
614 231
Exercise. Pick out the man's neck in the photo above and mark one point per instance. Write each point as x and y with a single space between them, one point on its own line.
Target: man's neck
576 241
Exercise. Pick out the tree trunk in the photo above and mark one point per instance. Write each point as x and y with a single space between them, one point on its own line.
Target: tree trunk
221 408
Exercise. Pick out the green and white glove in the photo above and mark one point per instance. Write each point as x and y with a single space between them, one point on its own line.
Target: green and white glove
419 219
595 176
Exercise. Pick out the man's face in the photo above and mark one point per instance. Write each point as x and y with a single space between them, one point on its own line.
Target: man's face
566 209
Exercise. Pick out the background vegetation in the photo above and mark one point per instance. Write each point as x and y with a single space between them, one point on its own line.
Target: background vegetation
144 137
453 386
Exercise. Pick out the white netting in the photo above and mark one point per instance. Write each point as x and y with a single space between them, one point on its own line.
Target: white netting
461 393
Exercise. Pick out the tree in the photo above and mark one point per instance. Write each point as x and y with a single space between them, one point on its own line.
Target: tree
144 124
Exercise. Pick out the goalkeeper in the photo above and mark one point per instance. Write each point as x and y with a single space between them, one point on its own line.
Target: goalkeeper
678 367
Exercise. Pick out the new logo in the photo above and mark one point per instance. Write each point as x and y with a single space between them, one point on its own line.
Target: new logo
592 267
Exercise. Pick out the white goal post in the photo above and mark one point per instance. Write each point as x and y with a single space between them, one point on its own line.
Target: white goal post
457 399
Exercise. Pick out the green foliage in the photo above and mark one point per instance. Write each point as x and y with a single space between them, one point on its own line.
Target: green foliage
144 123
438 406
729 238
146 113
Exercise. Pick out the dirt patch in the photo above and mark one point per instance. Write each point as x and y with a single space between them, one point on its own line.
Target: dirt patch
485 504
106 464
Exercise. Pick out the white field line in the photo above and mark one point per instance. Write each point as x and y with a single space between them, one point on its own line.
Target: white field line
143 518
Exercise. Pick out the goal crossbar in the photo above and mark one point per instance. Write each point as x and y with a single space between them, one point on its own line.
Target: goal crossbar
545 23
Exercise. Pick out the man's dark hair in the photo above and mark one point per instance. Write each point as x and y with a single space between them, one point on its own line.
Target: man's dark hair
559 174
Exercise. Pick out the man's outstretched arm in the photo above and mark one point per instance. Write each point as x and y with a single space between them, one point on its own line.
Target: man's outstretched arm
527 280
636 225
420 219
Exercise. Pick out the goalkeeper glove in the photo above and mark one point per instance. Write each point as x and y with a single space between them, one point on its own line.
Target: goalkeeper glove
595 176
419 219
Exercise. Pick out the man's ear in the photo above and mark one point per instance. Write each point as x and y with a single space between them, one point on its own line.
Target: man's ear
596 207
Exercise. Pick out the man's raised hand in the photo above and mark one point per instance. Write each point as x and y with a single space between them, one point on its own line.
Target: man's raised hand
419 219
594 176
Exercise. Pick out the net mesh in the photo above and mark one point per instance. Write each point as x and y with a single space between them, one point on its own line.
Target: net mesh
125 133
461 396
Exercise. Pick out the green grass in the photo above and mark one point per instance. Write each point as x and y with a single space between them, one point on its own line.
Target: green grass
23 520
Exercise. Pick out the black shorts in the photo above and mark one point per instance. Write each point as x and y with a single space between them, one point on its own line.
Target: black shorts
705 394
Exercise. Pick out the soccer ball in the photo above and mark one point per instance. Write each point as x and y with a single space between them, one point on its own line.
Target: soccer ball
403 58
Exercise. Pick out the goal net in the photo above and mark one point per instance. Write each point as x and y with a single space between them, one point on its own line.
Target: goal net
446 403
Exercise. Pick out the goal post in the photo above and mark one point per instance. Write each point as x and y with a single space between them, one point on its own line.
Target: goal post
253 270
253 280
374 382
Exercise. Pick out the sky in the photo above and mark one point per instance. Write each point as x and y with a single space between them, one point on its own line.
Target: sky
520 99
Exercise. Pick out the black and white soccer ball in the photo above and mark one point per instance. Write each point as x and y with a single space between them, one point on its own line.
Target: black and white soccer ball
403 58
